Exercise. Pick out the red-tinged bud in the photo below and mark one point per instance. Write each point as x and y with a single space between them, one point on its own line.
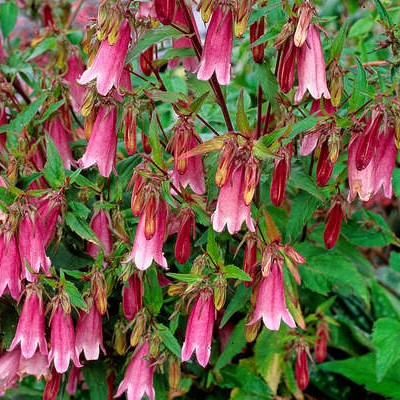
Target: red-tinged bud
150 215
321 342
132 295
206 8
369 140
242 14
138 328
333 225
256 31
252 331
251 179
99 292
145 143
165 10
286 64
219 292
301 367
250 259
305 16
138 194
226 163
130 131
52 386
47 16
324 165
278 183
334 147
110 385
146 60
182 246
174 373
294 255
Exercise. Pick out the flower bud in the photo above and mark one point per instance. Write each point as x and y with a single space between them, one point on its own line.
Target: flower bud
99 292
52 385
226 163
165 10
301 368
305 17
321 342
251 179
252 331
324 165
146 61
278 183
333 225
174 372
219 292
250 259
155 346
119 338
242 14
150 215
138 328
182 245
145 143
130 131
256 31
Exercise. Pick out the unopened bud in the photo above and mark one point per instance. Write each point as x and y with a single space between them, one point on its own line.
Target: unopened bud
324 165
306 13
219 292
88 103
176 290
150 216
138 328
130 131
278 182
321 341
333 225
301 368
145 143
165 10
155 346
251 179
99 291
52 385
242 15
252 331
256 31
250 259
174 372
146 61
119 338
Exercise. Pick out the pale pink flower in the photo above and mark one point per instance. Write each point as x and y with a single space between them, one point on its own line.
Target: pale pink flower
109 62
30 330
144 251
271 303
37 365
76 91
9 368
10 266
311 68
100 225
199 329
62 341
231 209
138 380
146 10
89 333
217 50
102 145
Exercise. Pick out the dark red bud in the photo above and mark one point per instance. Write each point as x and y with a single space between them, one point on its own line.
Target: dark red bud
332 228
301 368
250 260
278 183
321 342
324 166
130 132
132 295
182 245
52 386
256 31
145 143
286 64
165 10
145 61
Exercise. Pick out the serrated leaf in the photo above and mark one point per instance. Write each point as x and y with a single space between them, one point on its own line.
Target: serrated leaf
54 169
360 85
8 17
241 116
81 228
232 271
212 247
80 180
153 298
74 295
80 210
95 374
386 339
384 303
24 117
155 141
169 340
234 346
188 278
337 44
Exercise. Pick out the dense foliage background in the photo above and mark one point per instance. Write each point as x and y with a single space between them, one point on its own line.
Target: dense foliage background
342 293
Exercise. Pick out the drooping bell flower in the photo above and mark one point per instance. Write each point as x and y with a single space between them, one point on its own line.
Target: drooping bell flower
369 139
52 385
138 380
102 145
132 295
321 341
31 244
100 225
216 56
187 225
74 377
231 209
37 365
89 332
145 251
10 266
280 175
286 64
324 165
9 369
305 13
311 68
30 332
187 171
165 10
76 91
62 337
109 62
301 367
256 31
189 63
199 329
271 303
335 217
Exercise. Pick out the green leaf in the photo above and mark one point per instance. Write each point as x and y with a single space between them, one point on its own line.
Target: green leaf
234 346
196 105
267 79
337 44
23 118
52 108
155 141
300 127
169 340
232 271
386 339
81 228
8 17
45 45
383 302
188 278
75 296
360 85
95 374
361 28
153 297
151 37
384 15
361 370
212 247
238 301
54 168
241 116
389 277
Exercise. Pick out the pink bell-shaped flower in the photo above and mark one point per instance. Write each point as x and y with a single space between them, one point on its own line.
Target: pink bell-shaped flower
37 365
271 303
109 62
102 144
76 91
89 333
311 67
217 50
231 209
138 380
144 251
199 329
30 330
9 369
100 225
10 266
62 339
